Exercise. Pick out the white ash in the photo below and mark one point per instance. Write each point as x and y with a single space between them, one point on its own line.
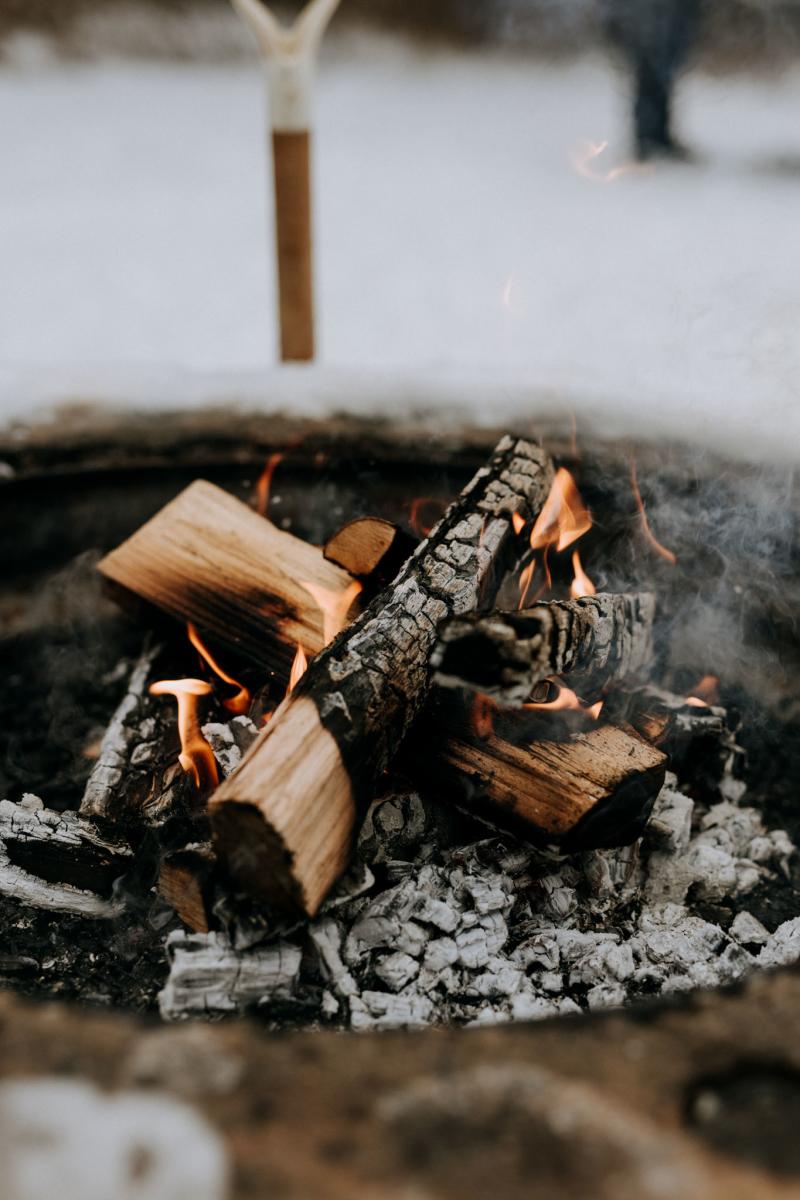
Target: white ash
230 741
467 929
209 976
125 739
51 836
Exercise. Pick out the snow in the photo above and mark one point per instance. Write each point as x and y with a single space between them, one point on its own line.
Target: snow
456 235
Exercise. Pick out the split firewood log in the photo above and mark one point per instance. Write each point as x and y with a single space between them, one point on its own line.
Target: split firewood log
595 640
592 789
209 559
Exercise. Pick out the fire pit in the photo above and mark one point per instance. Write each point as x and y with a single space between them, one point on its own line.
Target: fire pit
594 809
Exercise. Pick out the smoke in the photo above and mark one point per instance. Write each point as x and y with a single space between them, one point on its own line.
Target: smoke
730 605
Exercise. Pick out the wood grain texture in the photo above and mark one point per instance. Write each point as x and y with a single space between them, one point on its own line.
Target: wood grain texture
284 821
359 546
595 640
593 789
372 549
292 172
208 558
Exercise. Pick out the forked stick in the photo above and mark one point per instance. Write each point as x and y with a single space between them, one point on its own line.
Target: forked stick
290 56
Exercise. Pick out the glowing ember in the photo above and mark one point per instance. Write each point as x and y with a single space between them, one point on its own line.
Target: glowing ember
704 693
264 484
334 606
564 517
234 704
518 522
666 554
564 699
581 584
482 716
196 756
424 513
585 161
298 670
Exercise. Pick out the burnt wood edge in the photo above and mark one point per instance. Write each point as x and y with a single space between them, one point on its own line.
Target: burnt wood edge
621 817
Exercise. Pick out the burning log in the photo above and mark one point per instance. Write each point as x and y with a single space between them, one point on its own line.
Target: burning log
208 559
594 789
596 640
284 820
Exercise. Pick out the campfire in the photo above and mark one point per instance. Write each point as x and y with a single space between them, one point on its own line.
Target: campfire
431 770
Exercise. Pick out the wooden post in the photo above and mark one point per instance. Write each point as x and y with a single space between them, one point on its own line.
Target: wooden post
290 57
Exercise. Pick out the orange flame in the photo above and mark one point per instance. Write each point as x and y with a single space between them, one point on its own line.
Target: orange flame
264 484
235 704
481 717
422 522
564 517
334 606
585 156
581 584
518 521
548 578
299 667
525 578
704 693
196 756
565 699
646 530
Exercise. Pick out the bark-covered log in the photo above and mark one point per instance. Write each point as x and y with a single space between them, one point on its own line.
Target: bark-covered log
596 640
123 729
284 820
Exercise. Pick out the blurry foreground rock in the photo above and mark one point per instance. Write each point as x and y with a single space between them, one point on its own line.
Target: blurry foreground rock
696 1100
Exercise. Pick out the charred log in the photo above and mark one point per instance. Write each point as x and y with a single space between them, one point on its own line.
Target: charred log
57 861
596 640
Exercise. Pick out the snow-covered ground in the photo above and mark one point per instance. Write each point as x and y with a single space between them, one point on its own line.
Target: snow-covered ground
464 223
